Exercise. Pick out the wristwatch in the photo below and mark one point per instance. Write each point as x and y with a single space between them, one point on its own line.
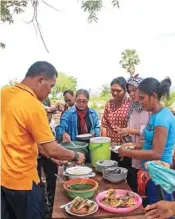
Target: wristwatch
76 156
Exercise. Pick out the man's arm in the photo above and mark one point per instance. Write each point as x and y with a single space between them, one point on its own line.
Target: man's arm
53 149
57 153
44 137
58 162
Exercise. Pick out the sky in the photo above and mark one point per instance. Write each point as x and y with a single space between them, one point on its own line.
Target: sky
91 52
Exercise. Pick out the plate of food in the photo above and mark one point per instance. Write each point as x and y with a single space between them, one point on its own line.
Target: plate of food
131 147
81 207
118 201
115 148
85 137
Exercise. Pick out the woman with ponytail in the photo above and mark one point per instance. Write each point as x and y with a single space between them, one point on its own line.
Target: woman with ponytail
159 134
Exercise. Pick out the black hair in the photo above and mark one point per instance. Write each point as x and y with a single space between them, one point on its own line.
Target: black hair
69 92
120 81
152 85
42 67
84 92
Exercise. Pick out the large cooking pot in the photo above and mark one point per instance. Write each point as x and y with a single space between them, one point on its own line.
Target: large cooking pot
79 147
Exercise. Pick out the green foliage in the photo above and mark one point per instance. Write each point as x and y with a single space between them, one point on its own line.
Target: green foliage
93 7
105 90
170 101
94 105
10 83
63 83
97 104
129 59
8 9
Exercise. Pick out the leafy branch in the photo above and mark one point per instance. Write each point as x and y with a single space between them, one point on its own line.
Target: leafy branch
93 7
8 8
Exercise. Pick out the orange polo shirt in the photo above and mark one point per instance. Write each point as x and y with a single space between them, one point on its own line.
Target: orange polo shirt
24 124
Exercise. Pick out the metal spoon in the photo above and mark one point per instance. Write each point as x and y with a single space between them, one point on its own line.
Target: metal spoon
68 186
72 143
63 206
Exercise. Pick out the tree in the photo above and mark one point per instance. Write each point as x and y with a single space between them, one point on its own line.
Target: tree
105 90
64 82
8 8
129 59
10 83
169 102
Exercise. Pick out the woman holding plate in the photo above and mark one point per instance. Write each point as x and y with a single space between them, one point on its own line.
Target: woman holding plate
138 120
79 119
159 138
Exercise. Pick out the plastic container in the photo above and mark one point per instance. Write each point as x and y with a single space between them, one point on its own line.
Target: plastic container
104 164
79 147
138 202
115 174
99 149
81 193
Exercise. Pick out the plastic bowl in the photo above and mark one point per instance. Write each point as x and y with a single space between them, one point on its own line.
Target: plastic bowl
101 165
81 193
115 177
101 195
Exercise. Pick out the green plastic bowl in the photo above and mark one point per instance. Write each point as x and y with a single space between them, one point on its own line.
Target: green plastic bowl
80 147
87 194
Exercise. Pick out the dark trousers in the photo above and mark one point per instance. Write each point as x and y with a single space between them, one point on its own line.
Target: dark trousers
132 179
126 162
22 204
48 188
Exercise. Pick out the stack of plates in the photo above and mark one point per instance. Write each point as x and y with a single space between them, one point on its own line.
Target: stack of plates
104 164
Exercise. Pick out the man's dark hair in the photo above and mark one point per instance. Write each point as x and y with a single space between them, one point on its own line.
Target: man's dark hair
69 92
42 67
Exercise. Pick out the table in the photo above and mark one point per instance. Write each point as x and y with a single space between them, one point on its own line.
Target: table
61 198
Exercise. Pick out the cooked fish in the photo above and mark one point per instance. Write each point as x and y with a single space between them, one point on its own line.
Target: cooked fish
82 204
109 193
75 202
112 200
92 207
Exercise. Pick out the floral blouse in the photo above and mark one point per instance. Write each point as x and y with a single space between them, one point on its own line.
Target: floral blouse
116 117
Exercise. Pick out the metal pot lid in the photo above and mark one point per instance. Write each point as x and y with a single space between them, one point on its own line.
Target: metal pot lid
78 170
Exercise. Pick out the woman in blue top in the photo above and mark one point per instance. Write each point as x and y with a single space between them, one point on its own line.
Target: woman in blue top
79 119
159 134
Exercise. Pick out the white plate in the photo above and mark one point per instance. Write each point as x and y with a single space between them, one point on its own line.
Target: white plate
83 215
78 170
115 148
84 136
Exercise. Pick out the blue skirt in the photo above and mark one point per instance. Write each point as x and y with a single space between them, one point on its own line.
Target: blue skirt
152 193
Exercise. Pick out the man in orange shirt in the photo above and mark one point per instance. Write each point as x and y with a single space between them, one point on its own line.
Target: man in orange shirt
23 112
